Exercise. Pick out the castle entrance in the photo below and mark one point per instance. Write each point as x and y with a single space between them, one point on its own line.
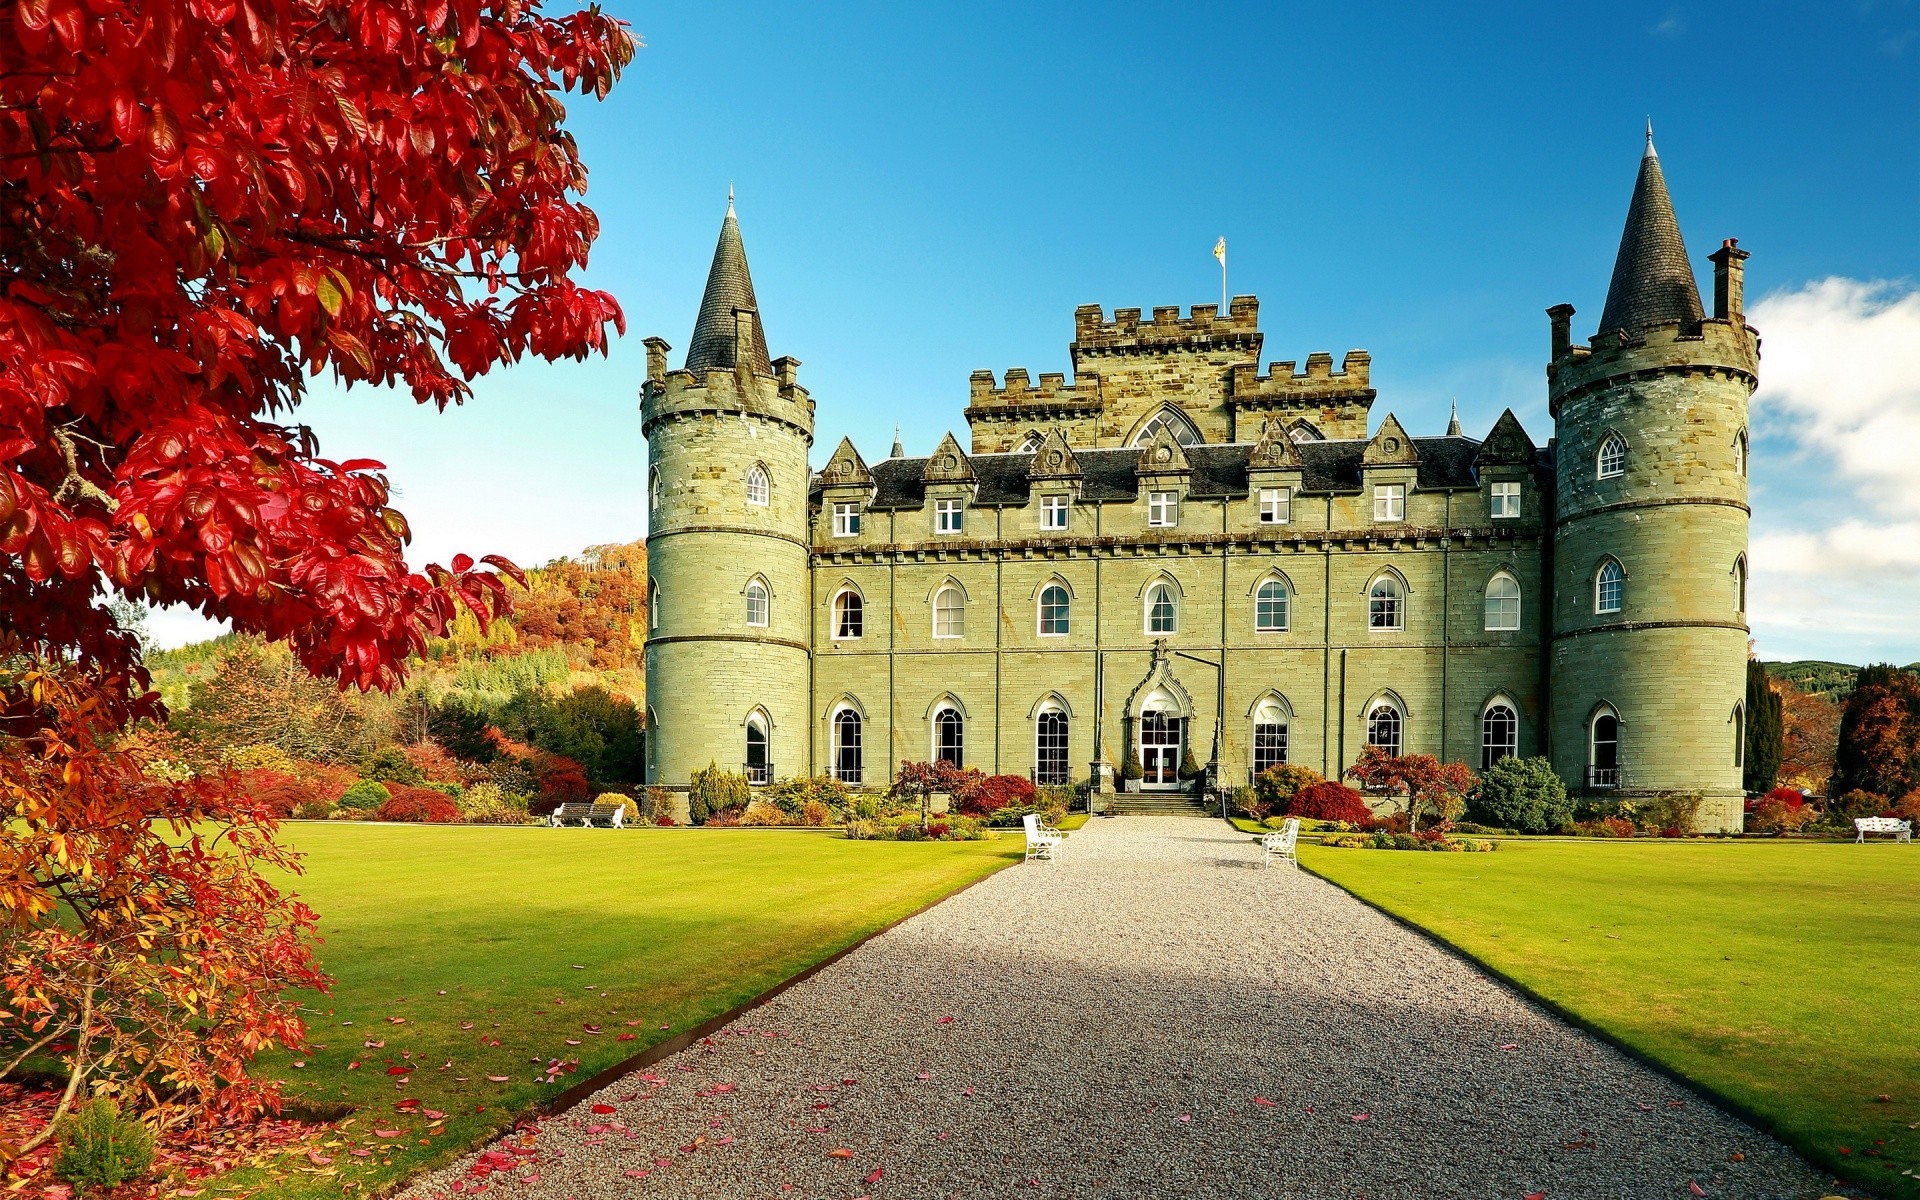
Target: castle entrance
1160 749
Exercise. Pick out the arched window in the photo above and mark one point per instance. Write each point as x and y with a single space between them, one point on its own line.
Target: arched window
1163 609
1270 607
1269 735
849 614
1050 746
759 486
1740 452
1302 432
1612 459
1740 584
1030 443
949 613
1056 611
1386 604
1609 587
1603 749
846 746
757 604
1499 732
1740 735
653 605
1386 727
949 737
1503 603
759 767
653 489
1174 424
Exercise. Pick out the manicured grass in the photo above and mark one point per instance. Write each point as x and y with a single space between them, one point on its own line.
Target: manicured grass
535 935
1783 977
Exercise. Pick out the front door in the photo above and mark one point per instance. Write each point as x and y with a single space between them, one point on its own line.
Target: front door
1160 749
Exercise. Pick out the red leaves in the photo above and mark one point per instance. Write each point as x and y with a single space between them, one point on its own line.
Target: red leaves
872 1177
604 1109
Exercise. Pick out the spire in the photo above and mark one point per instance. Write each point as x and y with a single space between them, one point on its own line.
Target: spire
1453 422
729 290
899 451
1652 280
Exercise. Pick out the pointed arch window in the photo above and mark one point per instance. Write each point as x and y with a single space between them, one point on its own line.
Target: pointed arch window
653 605
1503 603
1056 611
949 737
1174 424
1270 729
1387 604
1030 443
757 604
846 746
653 489
1163 610
1050 745
849 615
759 766
1740 453
949 613
1272 608
1609 587
1499 732
1740 584
759 486
1603 749
1612 460
1740 735
1386 727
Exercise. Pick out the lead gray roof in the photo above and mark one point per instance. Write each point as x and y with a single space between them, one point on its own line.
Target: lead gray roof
1652 279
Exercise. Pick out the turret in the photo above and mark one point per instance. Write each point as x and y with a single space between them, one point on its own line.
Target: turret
1650 547
727 638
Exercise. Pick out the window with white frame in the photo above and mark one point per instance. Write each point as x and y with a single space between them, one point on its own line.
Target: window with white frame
1740 584
1270 607
1499 733
1503 603
1269 736
759 769
1386 604
1053 512
653 605
1390 502
1612 460
949 516
1050 747
1056 611
949 613
1163 508
1740 452
1386 727
1603 749
1173 425
849 615
1163 609
757 604
1506 501
759 486
846 746
846 520
1276 506
653 488
949 737
1609 587
1033 441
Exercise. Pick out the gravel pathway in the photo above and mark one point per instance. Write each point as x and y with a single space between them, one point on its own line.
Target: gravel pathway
1154 1015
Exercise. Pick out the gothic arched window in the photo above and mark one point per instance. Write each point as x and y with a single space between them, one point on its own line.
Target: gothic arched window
759 486
1603 749
849 614
1056 611
1499 732
949 613
1050 745
757 605
1270 607
1609 587
1503 603
846 746
1174 424
1386 727
1163 609
1387 604
949 737
1612 460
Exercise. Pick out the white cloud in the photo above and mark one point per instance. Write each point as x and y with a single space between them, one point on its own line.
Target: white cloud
1836 547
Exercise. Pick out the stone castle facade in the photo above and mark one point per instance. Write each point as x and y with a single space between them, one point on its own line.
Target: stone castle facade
1178 555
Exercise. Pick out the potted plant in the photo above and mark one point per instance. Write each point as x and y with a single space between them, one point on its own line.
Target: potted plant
1131 775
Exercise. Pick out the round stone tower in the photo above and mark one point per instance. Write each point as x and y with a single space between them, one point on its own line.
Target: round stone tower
728 602
1650 543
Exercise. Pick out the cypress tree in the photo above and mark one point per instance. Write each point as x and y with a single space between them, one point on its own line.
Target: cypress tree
1766 730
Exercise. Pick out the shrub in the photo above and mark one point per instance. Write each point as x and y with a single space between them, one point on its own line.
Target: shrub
486 804
938 830
992 793
863 829
1275 823
1133 770
714 791
1674 814
621 801
1606 827
1275 787
101 1148
1774 815
1857 803
436 765
763 812
364 796
816 814
1328 801
1521 793
794 794
660 806
424 805
279 791
1190 769
1425 840
258 757
1907 808
389 764
314 810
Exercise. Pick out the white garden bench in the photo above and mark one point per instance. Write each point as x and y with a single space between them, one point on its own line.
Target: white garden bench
1042 840
1281 843
607 816
1902 831
570 814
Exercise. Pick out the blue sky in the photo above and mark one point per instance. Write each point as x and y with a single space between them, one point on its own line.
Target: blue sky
923 195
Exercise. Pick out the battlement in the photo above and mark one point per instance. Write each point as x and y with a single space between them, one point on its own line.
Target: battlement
1318 382
1019 391
1166 329
682 393
1714 344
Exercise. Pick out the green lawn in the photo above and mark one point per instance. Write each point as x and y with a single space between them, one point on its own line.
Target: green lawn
538 937
1783 977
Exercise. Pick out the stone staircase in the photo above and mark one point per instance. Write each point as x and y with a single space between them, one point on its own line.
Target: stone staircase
1156 804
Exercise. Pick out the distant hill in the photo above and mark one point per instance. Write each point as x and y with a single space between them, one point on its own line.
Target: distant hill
1831 679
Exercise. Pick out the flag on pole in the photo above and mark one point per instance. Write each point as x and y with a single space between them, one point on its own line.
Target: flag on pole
1220 251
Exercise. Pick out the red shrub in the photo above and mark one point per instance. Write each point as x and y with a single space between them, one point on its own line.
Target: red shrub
1789 797
938 830
993 793
280 792
1330 802
417 804
434 763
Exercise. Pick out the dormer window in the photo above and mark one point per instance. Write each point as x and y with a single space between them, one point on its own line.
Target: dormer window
1163 509
1276 506
1053 512
1506 501
846 520
949 516
1390 502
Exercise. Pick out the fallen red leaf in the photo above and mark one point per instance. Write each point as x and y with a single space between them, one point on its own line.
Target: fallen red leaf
873 1176
400 1070
1534 1196
604 1109
842 1152
1263 1102
1695 1188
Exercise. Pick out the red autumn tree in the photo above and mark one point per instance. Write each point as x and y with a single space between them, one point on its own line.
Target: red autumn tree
203 204
1425 784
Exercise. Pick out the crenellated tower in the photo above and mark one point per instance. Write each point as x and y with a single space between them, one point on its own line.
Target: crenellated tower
727 561
1648 657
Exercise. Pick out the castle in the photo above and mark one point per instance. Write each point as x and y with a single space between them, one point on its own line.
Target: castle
1175 556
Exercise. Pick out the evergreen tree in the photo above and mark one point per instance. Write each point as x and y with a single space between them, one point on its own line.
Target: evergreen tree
1765 733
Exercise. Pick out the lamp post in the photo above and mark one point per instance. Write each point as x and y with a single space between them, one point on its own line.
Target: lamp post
1219 719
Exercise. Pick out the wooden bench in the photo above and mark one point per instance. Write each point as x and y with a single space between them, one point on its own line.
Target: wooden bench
1901 831
608 816
570 814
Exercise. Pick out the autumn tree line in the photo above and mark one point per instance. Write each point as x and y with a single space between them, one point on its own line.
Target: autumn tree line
1849 734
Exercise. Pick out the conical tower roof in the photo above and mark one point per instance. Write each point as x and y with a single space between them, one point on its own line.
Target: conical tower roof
729 289
1652 280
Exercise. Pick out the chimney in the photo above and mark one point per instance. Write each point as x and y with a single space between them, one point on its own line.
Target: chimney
743 340
1730 281
787 369
656 359
1562 317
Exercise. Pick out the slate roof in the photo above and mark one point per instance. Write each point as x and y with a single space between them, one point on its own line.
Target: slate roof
1221 471
729 287
1652 279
